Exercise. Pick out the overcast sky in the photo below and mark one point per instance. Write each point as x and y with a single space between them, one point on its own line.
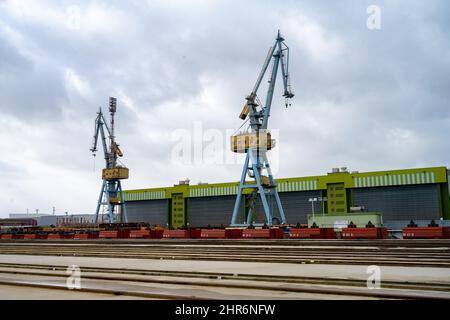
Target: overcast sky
366 99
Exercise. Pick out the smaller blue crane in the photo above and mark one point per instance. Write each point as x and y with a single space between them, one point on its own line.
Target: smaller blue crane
257 140
111 194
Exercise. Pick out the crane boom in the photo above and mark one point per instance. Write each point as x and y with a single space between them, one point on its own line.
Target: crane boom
280 52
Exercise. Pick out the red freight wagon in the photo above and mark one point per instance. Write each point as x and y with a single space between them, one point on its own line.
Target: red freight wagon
364 233
305 233
111 234
262 234
81 236
426 233
135 234
54 236
213 233
32 236
12 236
176 234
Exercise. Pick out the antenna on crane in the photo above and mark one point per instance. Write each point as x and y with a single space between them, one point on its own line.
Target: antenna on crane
258 141
111 194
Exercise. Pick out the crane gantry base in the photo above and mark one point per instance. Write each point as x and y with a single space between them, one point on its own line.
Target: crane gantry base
111 195
264 187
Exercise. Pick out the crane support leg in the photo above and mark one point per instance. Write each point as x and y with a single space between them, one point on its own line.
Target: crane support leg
100 200
274 190
237 204
109 192
122 204
255 160
261 190
110 206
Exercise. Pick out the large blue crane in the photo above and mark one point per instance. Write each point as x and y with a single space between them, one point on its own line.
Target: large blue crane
256 141
111 194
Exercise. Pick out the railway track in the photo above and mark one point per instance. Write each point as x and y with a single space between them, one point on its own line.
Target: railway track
436 256
416 243
157 284
100 278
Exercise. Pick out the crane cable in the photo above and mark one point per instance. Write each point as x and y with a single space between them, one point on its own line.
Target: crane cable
241 126
120 162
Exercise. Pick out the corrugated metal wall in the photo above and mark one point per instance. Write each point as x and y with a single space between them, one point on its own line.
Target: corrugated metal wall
153 212
296 206
400 203
417 202
213 211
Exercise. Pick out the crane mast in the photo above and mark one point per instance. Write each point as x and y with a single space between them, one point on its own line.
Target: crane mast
257 141
111 194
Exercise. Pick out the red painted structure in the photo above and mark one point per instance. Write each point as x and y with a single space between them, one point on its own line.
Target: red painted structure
81 236
426 233
140 234
262 234
176 234
111 234
312 233
364 233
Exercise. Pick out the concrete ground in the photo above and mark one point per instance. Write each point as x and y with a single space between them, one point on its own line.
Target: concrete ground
388 273
27 293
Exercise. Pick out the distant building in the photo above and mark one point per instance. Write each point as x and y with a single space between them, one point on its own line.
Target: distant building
57 220
421 194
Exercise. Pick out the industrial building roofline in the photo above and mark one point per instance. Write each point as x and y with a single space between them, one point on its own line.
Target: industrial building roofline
415 176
